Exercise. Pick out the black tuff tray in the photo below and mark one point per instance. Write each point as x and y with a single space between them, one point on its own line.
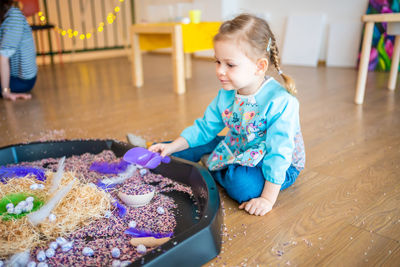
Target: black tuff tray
197 236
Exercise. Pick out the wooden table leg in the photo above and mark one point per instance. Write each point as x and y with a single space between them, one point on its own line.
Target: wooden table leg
364 61
178 60
137 66
188 65
395 64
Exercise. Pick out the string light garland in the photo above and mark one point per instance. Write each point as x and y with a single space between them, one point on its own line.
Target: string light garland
111 17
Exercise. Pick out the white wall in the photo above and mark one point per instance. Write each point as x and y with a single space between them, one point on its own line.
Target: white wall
335 11
217 10
277 11
346 13
156 10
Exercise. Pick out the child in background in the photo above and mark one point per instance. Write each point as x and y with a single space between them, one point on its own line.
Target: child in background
18 67
263 151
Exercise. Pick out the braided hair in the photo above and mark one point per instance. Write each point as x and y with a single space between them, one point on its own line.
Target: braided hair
257 35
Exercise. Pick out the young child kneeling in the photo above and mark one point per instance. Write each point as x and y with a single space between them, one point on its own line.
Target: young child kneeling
263 152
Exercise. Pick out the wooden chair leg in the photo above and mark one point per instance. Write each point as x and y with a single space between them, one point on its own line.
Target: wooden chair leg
364 61
395 64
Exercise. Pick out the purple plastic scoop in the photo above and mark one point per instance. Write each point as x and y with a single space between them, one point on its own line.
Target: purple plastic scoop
166 159
153 162
144 157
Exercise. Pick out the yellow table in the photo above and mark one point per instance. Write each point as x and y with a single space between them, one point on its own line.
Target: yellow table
184 40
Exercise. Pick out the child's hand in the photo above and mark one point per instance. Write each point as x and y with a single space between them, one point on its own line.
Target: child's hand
163 149
258 206
166 149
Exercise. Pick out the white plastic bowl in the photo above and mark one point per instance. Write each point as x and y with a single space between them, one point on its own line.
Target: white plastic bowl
136 200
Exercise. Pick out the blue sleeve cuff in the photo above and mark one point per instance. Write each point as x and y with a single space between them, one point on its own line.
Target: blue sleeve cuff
7 52
186 134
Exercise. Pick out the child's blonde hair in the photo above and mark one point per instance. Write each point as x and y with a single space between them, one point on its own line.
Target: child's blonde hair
258 35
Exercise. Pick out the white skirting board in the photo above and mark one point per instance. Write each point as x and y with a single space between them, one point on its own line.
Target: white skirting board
343 43
303 38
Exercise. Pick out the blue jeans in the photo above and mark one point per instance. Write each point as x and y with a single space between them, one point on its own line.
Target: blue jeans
19 85
242 183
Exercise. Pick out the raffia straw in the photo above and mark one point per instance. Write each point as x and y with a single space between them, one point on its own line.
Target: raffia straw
16 236
81 206
22 185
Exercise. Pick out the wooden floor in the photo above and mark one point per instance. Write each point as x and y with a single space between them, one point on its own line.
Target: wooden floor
344 209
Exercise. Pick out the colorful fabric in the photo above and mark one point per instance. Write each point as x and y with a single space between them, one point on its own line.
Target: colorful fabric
16 43
262 127
382 44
